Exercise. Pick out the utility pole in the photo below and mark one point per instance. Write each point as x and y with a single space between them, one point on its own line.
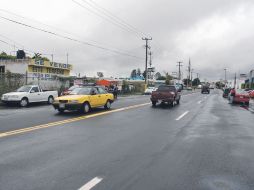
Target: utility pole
192 71
225 75
189 73
67 58
150 62
235 82
179 65
146 39
52 58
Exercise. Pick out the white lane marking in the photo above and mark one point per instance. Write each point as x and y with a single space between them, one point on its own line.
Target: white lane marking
181 116
199 102
92 183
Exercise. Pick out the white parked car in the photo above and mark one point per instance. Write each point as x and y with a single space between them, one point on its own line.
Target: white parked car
28 94
149 90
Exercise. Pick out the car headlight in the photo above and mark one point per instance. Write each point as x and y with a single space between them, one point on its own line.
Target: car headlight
73 101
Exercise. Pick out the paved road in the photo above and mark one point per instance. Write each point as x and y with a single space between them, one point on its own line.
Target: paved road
202 144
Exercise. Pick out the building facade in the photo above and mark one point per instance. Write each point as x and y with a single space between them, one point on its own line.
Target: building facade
38 71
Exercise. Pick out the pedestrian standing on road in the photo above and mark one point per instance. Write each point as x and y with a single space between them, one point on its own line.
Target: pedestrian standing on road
232 95
115 91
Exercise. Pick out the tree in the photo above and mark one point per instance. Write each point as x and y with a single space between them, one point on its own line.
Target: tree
144 74
161 78
196 82
38 56
138 72
168 78
134 73
157 75
100 74
186 81
3 54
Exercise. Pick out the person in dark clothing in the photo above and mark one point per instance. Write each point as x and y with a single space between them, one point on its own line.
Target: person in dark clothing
115 91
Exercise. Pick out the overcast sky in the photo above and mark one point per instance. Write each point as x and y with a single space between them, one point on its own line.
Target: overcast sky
215 34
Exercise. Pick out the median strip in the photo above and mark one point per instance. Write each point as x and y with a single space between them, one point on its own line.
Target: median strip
52 124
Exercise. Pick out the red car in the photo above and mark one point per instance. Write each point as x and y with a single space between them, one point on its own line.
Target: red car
239 96
251 93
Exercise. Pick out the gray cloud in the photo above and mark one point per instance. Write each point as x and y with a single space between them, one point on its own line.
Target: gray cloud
214 33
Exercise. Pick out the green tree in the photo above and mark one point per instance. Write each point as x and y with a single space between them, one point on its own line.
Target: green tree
138 72
134 73
161 78
196 82
186 81
168 78
144 74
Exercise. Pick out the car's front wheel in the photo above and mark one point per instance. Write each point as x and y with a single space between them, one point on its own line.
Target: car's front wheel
154 103
107 106
24 102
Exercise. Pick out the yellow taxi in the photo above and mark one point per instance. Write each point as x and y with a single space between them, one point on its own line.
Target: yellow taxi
83 99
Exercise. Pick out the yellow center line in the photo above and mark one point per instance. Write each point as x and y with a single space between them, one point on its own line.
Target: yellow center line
57 123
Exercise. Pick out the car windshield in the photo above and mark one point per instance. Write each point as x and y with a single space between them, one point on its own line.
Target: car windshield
24 89
166 88
81 91
241 91
72 88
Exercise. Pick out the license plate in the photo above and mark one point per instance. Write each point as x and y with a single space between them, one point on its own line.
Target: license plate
241 96
61 105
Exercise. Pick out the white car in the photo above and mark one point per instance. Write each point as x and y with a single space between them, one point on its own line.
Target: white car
149 90
28 94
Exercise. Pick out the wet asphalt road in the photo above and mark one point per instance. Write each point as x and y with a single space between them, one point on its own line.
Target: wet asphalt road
202 144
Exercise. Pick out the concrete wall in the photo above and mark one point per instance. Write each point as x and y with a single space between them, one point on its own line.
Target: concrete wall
15 66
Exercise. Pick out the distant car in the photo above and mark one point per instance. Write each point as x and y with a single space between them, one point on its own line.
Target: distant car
205 89
189 88
211 86
149 90
83 99
166 94
226 91
239 96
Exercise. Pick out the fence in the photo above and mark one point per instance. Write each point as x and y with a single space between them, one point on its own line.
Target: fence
11 81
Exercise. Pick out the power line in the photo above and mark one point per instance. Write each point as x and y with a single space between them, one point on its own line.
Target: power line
112 18
69 38
103 17
61 30
111 15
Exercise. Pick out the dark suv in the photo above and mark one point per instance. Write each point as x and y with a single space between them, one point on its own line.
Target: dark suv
166 94
205 89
